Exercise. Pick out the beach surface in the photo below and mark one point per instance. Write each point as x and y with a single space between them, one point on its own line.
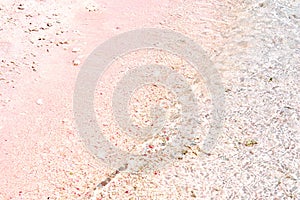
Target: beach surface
254 46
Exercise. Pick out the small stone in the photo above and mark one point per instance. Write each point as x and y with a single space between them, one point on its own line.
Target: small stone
193 195
65 121
20 7
63 42
39 102
76 62
75 49
250 143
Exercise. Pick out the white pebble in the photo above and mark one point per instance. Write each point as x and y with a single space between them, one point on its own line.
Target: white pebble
76 62
74 50
39 101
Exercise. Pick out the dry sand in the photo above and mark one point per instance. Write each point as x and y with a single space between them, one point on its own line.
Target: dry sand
255 45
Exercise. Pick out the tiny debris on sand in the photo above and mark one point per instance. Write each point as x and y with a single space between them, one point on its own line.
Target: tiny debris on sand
39 102
75 49
76 62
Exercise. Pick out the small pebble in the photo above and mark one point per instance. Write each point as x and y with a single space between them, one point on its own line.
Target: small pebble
75 50
76 62
250 143
39 102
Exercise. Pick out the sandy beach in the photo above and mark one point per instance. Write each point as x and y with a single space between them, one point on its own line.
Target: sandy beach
254 46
